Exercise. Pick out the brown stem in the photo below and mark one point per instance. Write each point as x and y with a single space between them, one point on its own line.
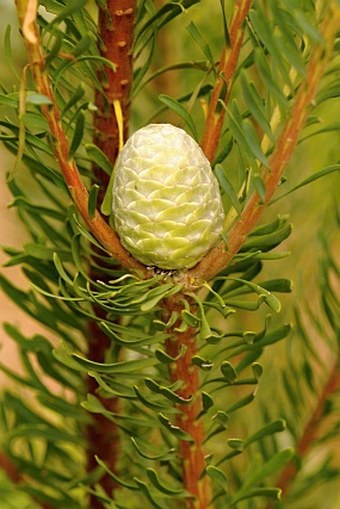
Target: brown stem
219 257
97 225
310 431
102 435
226 71
115 30
191 453
115 26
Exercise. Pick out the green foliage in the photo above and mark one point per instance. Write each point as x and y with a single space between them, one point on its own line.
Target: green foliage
44 435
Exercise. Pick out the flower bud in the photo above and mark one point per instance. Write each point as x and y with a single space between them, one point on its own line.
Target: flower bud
166 201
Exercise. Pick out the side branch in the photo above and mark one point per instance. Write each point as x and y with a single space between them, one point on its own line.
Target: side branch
222 90
311 430
220 256
97 225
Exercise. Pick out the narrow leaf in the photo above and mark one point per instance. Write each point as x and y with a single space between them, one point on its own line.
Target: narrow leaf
176 106
268 429
202 43
78 134
319 174
92 203
227 187
161 485
217 475
99 158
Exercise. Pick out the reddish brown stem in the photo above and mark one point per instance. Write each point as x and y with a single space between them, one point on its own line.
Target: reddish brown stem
226 71
115 26
115 31
191 452
102 435
310 431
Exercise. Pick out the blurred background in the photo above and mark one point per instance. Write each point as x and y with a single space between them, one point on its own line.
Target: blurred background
309 208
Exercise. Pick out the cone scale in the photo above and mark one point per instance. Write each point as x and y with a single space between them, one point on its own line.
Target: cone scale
166 201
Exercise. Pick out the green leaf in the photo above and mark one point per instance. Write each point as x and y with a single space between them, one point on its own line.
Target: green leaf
78 134
99 158
273 337
259 187
225 24
71 7
82 45
204 364
61 271
168 11
148 402
175 430
268 77
154 296
16 295
236 443
106 206
218 476
221 418
78 94
236 126
150 451
8 50
202 43
54 51
168 393
45 432
275 464
228 372
255 104
241 403
268 429
197 65
164 357
227 187
257 492
257 370
286 41
272 301
252 140
176 106
63 355
37 99
319 174
265 32
164 487
146 490
268 241
92 203
207 402
10 100
306 26
118 480
278 285
123 367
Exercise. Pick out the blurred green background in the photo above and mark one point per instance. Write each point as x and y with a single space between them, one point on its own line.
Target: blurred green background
310 209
